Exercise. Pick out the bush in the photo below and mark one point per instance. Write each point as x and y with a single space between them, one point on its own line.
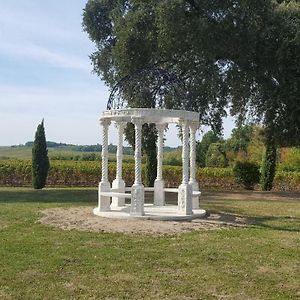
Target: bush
287 181
216 156
88 173
246 173
290 159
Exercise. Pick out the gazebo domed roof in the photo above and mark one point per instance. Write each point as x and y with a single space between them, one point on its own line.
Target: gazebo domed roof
151 87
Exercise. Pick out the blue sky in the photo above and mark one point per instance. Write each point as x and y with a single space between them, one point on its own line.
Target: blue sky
45 73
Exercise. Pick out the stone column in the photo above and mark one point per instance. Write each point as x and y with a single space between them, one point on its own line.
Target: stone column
185 189
159 184
193 182
118 184
137 191
104 185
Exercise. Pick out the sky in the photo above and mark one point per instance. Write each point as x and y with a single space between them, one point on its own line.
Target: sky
45 72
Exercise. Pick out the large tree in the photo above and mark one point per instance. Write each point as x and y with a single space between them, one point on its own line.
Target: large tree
242 54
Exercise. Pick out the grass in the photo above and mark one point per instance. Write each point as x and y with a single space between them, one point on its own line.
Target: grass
42 262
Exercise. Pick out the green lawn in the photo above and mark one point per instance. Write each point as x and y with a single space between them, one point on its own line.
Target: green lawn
43 262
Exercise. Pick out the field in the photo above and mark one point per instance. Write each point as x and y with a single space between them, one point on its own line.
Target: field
171 157
43 262
24 153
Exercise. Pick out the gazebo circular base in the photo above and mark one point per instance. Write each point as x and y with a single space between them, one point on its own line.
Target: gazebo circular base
152 212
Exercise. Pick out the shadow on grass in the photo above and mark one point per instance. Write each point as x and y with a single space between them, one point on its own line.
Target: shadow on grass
284 223
251 195
70 195
280 223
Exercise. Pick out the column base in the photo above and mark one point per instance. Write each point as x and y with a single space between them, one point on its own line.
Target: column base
137 200
195 200
159 193
103 202
119 186
185 195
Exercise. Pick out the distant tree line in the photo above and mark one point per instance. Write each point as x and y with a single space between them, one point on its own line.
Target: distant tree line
81 148
90 148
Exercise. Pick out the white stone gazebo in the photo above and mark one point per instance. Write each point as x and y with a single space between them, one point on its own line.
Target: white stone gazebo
111 199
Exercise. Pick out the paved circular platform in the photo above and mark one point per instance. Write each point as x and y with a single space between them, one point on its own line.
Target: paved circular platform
167 213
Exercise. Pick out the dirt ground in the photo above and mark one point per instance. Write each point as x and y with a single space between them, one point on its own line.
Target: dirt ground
83 219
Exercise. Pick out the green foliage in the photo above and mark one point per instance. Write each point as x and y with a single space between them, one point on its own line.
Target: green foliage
256 146
286 181
291 160
150 167
216 156
149 150
239 53
68 156
246 173
173 158
268 167
246 143
240 138
202 147
40 160
242 53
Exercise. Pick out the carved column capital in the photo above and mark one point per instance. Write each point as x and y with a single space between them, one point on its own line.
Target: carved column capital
183 122
120 125
194 126
105 122
161 127
137 121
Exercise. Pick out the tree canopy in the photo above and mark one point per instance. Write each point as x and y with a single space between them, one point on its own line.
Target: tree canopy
240 54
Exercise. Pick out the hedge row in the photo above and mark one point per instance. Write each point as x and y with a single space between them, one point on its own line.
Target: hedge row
88 173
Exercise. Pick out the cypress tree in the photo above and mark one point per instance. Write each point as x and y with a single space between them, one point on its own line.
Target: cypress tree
149 150
40 160
268 167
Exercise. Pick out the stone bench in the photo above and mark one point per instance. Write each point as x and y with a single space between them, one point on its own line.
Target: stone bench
175 190
115 194
171 190
146 189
